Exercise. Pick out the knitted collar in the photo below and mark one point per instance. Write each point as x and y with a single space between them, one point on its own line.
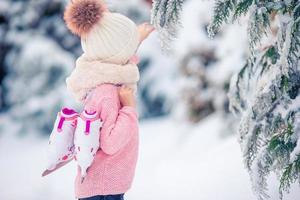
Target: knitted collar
89 74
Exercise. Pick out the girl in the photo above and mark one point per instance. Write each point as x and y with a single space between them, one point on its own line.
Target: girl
109 42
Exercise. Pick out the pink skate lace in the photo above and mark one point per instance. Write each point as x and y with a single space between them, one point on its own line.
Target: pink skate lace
66 114
89 117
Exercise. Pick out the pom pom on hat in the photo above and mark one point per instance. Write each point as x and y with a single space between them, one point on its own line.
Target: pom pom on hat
81 15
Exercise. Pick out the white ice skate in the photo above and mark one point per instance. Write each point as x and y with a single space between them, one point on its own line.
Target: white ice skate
87 136
61 141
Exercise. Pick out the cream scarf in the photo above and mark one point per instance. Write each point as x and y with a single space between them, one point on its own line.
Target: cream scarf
89 74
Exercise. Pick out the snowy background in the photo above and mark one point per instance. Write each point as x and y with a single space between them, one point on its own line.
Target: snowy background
189 147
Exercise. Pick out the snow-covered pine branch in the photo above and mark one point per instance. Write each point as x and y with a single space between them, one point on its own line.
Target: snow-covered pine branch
165 17
222 12
265 93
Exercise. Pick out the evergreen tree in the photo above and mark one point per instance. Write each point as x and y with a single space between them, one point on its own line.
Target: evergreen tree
265 92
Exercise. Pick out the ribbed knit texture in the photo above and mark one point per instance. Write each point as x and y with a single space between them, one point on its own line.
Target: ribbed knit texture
114 39
113 169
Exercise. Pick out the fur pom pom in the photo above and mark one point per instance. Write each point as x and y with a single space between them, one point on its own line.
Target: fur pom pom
81 15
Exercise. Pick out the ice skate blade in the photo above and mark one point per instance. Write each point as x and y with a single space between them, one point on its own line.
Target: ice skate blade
47 172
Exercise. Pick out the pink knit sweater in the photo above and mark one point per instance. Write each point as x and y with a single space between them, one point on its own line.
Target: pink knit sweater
113 169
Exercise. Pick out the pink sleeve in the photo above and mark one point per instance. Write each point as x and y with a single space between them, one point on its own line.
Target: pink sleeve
118 126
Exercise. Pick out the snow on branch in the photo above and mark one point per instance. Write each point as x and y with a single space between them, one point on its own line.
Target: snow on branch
165 17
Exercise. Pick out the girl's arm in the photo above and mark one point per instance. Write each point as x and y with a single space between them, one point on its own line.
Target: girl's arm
114 136
118 125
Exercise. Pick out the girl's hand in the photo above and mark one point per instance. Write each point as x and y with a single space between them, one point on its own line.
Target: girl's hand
144 30
126 96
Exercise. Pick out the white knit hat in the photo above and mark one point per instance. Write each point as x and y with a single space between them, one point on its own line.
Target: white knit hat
114 39
105 36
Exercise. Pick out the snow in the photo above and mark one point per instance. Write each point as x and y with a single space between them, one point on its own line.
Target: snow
191 166
176 161
21 169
